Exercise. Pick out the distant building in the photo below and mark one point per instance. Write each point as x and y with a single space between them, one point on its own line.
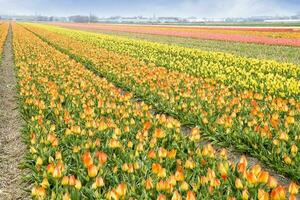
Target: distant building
282 20
79 19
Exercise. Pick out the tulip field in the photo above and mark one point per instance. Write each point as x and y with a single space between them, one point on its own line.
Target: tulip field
108 117
270 36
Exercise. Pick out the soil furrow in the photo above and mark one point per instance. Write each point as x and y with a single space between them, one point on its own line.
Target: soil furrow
11 146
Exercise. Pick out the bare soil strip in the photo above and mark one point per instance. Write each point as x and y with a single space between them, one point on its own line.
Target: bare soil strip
11 146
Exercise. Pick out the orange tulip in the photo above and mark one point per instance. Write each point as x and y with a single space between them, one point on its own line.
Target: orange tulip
190 195
121 189
148 184
87 159
179 175
278 193
146 126
72 180
57 173
272 182
263 177
92 170
256 169
156 167
151 154
50 168
98 183
161 197
172 153
102 157
251 178
158 133
58 155
162 152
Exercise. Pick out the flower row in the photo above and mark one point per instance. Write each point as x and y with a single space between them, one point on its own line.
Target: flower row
3 34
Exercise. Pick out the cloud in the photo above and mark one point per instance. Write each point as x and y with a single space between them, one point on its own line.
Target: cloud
182 8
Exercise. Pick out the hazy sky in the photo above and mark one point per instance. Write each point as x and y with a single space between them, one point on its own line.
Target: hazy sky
180 8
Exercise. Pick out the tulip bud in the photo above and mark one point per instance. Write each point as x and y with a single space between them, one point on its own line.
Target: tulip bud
287 159
223 153
294 150
238 183
195 134
293 188
190 195
172 153
92 171
162 152
184 186
50 168
130 144
256 169
263 177
278 193
179 175
292 197
58 155
284 136
245 195
57 173
78 184
65 180
148 184
34 191
45 183
98 183
190 164
172 180
72 180
41 193
263 195
176 196
39 161
159 133
161 197
67 196
121 189
272 182
251 178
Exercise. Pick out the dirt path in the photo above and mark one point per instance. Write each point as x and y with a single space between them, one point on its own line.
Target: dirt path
11 146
